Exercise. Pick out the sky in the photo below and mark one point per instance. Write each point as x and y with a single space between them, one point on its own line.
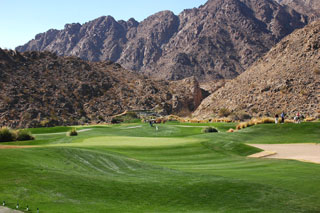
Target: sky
21 20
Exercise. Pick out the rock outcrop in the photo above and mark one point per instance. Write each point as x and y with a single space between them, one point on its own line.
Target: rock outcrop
286 79
43 89
218 40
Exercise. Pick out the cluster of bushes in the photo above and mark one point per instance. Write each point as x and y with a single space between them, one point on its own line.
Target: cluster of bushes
7 135
209 129
72 132
185 120
256 121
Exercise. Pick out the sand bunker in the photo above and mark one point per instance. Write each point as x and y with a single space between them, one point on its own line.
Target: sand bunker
7 210
307 152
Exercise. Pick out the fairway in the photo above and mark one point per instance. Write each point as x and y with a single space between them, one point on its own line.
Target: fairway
135 168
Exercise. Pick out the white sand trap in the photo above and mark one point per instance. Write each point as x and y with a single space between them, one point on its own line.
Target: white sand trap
7 210
307 152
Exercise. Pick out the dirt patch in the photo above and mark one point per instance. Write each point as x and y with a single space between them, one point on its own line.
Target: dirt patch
15 147
307 152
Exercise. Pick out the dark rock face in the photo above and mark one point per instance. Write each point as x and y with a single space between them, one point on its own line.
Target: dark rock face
218 40
43 89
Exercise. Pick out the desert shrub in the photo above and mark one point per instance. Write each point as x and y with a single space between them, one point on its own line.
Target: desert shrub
242 125
24 135
217 120
72 132
241 116
267 120
209 129
256 121
309 119
224 112
289 121
44 122
7 135
116 120
132 115
174 118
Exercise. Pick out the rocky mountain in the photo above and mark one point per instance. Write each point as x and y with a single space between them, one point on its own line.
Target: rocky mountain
41 89
218 40
311 8
286 79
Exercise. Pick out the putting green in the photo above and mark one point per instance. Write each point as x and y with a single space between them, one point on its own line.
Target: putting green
122 141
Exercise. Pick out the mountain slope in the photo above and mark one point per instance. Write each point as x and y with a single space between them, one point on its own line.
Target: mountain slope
310 8
217 40
286 79
42 88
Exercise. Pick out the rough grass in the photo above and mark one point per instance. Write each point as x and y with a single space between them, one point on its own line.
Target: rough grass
175 169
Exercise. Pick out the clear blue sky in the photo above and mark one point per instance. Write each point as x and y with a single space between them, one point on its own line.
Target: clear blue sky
21 20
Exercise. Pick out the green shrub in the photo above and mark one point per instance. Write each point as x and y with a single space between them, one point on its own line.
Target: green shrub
209 129
24 135
7 135
72 132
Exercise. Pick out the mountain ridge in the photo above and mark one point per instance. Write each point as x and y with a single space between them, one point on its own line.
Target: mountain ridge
218 40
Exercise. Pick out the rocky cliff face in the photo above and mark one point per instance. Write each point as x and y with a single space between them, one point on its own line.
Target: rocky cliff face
217 40
311 8
44 89
286 79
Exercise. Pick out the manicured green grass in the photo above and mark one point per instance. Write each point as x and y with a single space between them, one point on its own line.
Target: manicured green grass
135 168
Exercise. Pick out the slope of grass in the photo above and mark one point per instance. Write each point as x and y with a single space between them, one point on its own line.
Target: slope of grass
134 168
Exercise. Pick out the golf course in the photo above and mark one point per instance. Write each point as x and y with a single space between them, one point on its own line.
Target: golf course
174 168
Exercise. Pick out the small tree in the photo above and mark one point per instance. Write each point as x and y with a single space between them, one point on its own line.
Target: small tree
72 132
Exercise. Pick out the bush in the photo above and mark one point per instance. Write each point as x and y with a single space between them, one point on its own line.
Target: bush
224 112
7 135
132 115
209 129
72 132
309 119
116 120
24 135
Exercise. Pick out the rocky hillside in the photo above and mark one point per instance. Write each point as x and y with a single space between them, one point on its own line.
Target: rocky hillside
286 79
44 89
218 40
310 8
